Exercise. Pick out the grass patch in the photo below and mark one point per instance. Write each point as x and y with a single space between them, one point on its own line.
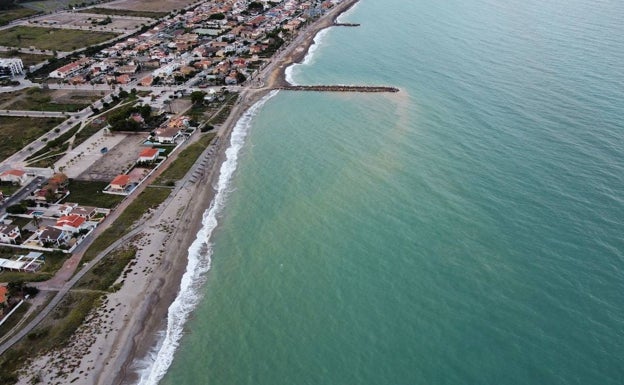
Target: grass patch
184 161
125 12
9 188
149 198
8 15
89 193
36 99
10 323
52 39
27 58
18 132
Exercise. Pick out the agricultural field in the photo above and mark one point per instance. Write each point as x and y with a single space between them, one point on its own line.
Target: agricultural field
8 15
18 132
52 39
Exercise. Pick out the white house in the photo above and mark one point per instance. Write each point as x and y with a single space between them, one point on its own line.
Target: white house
9 233
167 134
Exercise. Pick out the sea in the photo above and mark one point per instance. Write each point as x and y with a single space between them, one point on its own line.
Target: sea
468 229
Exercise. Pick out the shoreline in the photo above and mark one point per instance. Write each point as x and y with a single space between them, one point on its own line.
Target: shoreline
128 327
155 320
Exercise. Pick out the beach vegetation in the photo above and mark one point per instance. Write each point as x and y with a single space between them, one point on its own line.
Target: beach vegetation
150 198
185 160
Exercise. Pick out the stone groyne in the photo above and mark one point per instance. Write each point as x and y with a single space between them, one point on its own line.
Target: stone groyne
339 88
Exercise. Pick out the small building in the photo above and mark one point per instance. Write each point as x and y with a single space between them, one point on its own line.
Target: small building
11 67
148 155
120 183
9 234
14 176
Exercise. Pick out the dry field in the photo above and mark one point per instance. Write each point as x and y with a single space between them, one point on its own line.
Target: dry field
150 6
117 160
85 20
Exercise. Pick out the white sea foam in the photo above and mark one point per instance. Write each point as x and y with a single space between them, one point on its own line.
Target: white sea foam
292 70
153 368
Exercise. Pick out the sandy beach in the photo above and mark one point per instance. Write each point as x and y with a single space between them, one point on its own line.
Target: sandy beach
127 326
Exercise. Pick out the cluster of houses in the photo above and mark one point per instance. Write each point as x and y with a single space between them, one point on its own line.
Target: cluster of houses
222 39
57 226
52 225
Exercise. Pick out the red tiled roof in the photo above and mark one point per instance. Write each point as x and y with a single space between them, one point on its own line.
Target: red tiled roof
121 180
14 172
3 293
72 220
148 152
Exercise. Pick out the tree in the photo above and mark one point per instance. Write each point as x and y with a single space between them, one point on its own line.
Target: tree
16 209
197 97
217 16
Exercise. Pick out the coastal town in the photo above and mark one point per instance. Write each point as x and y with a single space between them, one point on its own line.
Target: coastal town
114 115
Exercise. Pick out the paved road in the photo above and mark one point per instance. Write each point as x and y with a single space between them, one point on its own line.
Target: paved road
34 114
21 194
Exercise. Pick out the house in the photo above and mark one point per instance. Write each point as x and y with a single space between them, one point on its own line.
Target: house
167 134
72 223
147 81
69 69
122 79
9 234
120 183
14 176
148 155
53 236
86 212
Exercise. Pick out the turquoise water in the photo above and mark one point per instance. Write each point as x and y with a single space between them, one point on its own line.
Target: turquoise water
468 230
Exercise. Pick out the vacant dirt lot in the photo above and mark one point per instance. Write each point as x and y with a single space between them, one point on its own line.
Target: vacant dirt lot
117 160
82 20
151 6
